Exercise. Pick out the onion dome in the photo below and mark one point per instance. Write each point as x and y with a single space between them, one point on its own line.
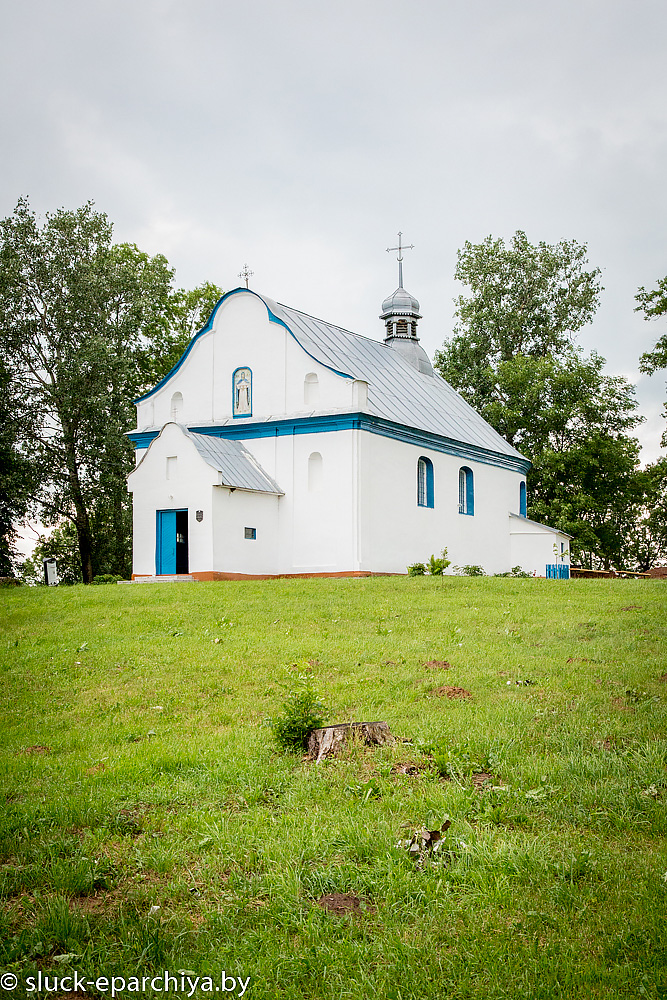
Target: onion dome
401 303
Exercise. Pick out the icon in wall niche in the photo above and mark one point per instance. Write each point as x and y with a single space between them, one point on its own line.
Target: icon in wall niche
242 402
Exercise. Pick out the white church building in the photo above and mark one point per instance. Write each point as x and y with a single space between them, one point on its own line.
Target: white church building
280 444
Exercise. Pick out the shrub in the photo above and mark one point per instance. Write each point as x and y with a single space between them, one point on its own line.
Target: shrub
417 569
303 711
517 572
437 565
470 570
106 578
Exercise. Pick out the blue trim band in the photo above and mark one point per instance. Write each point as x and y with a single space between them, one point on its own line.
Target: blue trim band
142 439
345 422
209 326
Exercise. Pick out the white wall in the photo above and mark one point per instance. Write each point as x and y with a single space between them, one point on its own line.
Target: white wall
243 336
190 487
309 530
396 532
233 511
532 546
315 533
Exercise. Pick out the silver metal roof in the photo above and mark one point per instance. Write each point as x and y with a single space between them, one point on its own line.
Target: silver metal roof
538 524
396 390
400 303
237 466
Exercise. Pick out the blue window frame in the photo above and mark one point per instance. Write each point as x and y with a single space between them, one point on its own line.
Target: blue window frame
522 499
425 493
466 491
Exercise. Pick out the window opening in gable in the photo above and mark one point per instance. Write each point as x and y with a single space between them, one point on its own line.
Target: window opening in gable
315 472
311 389
176 408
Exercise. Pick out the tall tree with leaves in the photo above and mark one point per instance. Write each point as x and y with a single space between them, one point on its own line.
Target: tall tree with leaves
74 310
654 306
513 357
17 473
86 326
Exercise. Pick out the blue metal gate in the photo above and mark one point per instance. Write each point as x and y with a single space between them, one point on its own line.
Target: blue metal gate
558 571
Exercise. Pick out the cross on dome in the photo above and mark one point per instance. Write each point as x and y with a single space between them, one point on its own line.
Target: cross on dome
400 249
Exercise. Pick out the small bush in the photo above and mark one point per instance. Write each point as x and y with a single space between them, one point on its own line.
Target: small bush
470 570
302 712
437 565
517 572
106 578
417 569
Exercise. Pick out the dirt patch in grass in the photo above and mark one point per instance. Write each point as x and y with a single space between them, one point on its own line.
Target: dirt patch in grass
35 749
437 664
447 691
407 768
341 903
482 778
101 902
631 607
622 705
132 890
663 678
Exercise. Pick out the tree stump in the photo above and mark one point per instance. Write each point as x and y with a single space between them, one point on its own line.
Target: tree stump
329 740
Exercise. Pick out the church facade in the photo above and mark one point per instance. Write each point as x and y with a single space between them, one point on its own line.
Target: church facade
281 444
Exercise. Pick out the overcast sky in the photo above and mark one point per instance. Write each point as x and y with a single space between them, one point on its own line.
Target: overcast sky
299 137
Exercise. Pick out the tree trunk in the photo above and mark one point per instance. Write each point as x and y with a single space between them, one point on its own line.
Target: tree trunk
81 520
329 740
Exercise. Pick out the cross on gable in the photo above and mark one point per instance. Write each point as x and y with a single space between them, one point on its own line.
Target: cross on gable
246 273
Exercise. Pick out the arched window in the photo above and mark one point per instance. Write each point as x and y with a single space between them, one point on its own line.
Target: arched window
176 407
242 393
424 482
315 472
466 491
311 389
522 499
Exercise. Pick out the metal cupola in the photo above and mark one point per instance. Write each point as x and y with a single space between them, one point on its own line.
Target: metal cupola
400 313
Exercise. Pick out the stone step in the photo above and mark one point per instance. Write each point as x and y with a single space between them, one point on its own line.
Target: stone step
175 578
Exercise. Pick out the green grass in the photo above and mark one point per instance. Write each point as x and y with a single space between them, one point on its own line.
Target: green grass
160 786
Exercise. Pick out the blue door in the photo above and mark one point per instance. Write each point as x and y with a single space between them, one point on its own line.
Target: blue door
165 547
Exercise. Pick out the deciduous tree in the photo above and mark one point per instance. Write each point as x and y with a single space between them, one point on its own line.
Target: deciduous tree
514 358
75 310
654 306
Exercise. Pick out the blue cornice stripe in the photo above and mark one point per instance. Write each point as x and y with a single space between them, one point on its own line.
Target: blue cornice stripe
142 439
350 421
209 326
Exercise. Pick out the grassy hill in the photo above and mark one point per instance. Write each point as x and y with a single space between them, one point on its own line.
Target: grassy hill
138 772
